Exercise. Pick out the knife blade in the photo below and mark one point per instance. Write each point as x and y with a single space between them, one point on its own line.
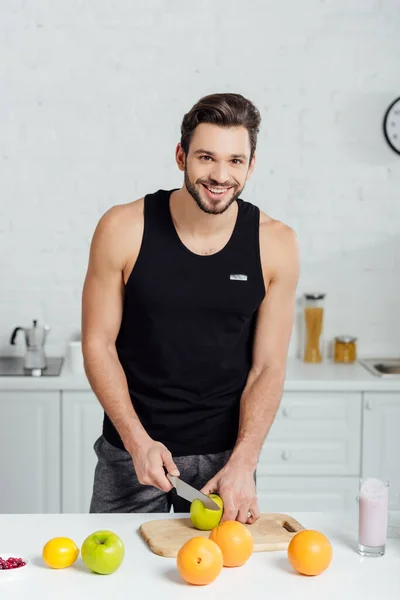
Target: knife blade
188 492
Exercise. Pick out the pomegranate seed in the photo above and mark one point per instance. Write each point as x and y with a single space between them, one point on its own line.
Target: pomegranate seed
12 562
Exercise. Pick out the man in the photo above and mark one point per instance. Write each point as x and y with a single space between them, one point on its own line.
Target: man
187 312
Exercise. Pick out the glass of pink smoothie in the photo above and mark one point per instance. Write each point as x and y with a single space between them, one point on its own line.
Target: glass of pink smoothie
373 506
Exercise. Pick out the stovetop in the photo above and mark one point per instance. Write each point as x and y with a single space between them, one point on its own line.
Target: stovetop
14 366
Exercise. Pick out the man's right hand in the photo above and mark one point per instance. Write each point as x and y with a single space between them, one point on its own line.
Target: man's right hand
149 461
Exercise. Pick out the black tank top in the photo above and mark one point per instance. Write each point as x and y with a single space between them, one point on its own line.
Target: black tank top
185 341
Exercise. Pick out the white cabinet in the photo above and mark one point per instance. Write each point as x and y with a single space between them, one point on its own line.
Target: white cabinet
314 433
310 460
82 420
30 452
319 445
381 440
290 494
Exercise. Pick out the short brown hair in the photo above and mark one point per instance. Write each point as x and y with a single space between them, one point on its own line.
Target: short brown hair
224 110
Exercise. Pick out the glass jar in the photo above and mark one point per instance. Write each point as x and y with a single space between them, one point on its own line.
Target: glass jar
345 349
313 321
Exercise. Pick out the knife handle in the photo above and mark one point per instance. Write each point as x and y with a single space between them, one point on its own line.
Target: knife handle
169 477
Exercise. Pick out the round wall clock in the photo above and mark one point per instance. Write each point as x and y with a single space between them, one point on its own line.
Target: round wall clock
391 125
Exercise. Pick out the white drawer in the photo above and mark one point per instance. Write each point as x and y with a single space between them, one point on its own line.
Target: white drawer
297 494
314 433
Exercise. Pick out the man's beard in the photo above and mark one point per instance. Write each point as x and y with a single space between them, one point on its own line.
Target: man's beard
217 209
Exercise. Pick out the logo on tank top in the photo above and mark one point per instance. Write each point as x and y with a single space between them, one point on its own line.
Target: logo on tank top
238 277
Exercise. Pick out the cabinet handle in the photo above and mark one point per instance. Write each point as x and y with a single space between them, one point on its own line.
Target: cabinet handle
285 455
285 412
368 405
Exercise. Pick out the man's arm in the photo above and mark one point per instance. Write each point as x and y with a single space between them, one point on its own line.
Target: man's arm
263 391
102 303
262 394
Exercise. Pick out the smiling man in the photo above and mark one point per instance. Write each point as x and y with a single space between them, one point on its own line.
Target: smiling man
187 312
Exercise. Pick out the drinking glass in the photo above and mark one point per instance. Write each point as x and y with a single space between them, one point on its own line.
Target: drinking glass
373 508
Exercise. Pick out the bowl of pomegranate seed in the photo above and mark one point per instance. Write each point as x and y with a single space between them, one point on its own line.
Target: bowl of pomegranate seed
11 563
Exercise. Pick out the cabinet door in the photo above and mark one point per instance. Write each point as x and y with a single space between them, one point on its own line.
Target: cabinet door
314 433
381 440
82 421
304 494
30 452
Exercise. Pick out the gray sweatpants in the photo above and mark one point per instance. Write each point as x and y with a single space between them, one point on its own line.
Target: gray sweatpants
117 489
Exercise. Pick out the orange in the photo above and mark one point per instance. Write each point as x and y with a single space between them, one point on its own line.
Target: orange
199 561
60 552
235 541
310 552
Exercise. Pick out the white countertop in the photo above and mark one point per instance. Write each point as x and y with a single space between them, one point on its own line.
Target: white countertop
331 376
326 376
146 575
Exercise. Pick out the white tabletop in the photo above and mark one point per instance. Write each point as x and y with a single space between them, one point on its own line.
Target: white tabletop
145 576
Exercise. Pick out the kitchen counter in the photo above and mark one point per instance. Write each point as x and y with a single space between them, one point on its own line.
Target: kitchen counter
326 376
146 575
332 376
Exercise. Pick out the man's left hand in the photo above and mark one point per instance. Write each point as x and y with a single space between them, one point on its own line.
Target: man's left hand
237 488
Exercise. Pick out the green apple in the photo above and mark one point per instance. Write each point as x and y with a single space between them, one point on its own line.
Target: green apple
204 518
103 552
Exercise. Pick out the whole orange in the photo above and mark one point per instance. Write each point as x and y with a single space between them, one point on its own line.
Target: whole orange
199 561
235 541
60 552
310 552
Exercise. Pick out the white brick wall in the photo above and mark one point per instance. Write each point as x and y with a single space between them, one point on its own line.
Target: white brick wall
92 98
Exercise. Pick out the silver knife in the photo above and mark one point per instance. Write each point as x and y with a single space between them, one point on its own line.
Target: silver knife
186 491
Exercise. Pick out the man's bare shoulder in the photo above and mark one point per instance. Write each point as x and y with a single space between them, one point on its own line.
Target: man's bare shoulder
122 216
275 231
121 220
119 232
278 245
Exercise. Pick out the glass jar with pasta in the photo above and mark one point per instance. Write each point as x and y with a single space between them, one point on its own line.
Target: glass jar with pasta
313 321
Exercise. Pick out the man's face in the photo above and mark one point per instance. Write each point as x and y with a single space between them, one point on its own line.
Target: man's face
217 166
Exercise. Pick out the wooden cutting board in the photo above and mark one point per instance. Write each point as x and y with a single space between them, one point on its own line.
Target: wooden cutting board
272 531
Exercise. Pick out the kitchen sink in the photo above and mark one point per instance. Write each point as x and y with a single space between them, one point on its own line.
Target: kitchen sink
382 367
14 366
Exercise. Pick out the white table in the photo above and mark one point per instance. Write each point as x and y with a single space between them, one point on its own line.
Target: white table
144 576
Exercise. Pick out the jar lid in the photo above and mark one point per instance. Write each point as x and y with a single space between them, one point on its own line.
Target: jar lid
345 339
314 296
